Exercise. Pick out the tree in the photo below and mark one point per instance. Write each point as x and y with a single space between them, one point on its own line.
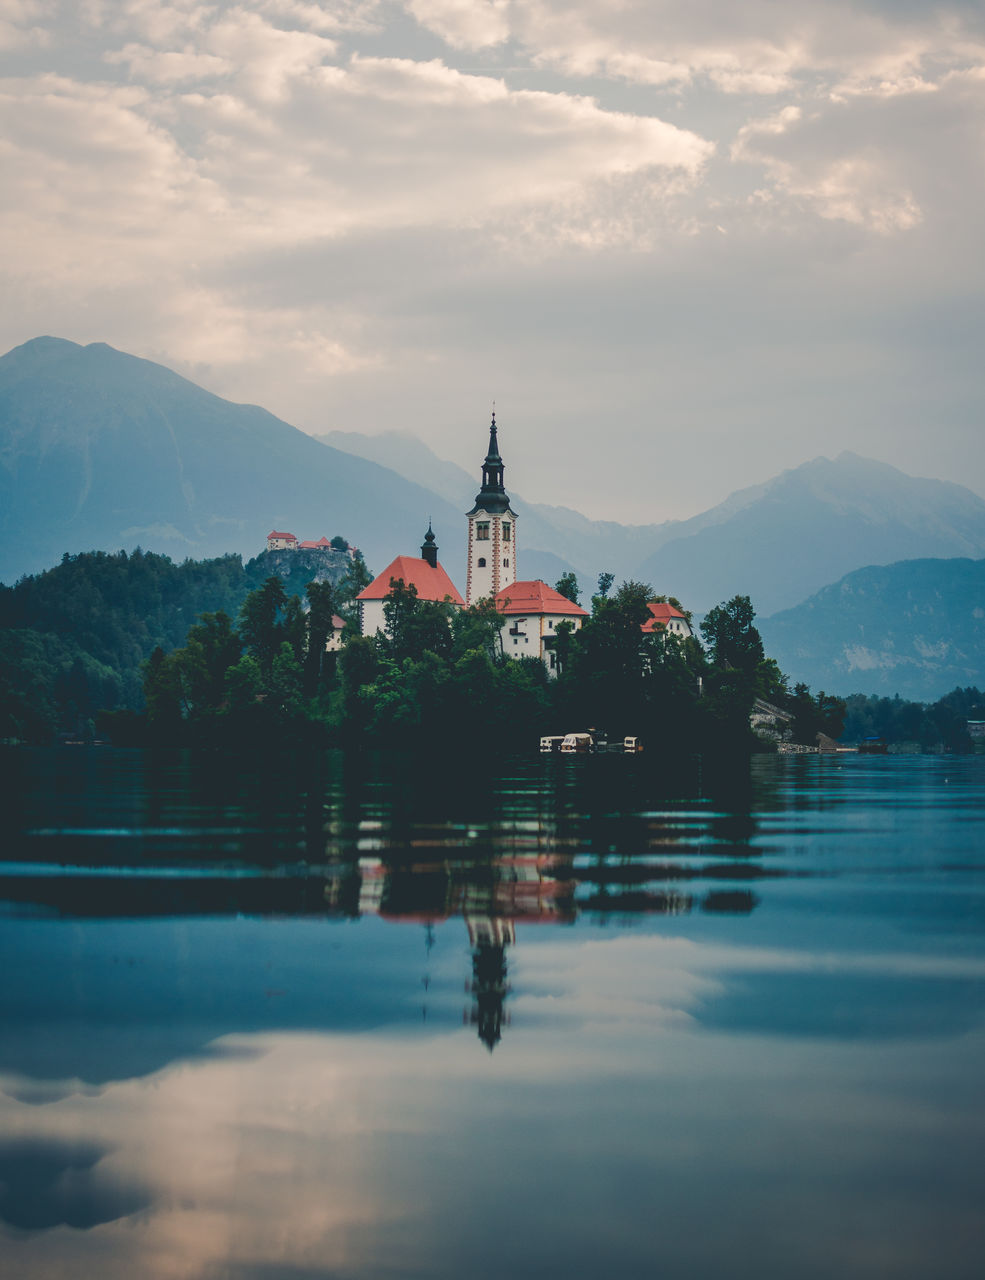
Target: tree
605 585
477 627
567 586
356 577
211 648
258 622
321 599
732 639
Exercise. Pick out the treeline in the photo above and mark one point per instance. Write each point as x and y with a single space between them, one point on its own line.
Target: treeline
941 725
437 678
73 640
218 651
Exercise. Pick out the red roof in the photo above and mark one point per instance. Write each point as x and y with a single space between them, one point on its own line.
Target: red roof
322 542
536 597
431 583
337 622
274 534
661 614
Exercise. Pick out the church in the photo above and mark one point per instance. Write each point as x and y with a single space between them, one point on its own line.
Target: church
531 611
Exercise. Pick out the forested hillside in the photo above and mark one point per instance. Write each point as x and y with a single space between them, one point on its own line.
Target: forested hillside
72 639
916 628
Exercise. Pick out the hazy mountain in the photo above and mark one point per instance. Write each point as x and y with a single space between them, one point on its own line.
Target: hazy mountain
916 628
99 449
552 539
777 542
781 541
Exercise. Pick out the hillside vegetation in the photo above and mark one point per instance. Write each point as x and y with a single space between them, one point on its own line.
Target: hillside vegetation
916 629
73 639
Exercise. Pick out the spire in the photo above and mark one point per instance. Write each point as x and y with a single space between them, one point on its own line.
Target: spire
492 496
493 455
429 548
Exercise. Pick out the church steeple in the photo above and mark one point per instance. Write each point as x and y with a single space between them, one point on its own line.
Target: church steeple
492 529
492 496
429 548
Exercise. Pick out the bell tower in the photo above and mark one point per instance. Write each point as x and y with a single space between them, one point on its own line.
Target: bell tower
492 530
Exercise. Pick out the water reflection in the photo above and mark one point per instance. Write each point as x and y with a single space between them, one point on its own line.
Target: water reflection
327 1020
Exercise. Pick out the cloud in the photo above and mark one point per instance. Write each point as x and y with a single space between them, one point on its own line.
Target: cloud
336 207
21 24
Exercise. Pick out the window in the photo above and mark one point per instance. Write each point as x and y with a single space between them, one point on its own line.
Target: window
506 533
482 531
506 564
482 562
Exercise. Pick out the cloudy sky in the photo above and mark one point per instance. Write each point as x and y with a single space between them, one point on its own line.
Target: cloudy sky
683 244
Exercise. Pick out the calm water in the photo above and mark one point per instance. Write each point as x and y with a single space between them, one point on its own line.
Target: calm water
344 1018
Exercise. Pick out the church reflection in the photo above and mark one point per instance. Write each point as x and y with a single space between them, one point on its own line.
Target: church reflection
493 894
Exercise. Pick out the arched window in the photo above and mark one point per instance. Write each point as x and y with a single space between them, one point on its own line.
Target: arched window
482 562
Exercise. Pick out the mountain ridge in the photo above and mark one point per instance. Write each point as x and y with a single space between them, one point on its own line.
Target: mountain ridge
915 627
103 449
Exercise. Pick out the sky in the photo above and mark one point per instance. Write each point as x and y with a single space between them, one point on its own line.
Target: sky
682 244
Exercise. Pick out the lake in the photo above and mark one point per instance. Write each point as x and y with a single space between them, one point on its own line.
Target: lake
350 1017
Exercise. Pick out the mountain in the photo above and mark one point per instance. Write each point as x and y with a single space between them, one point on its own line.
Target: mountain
776 542
99 449
916 628
554 540
781 541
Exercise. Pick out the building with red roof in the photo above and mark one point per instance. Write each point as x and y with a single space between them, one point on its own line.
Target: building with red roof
531 614
333 641
322 544
667 619
281 541
424 573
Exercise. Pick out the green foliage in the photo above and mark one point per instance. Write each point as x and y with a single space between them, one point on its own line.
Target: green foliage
567 586
98 618
355 579
477 627
814 715
732 639
49 686
941 725
436 674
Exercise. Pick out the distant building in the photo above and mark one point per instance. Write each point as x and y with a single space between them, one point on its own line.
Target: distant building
322 544
491 532
424 574
664 617
531 613
333 641
281 541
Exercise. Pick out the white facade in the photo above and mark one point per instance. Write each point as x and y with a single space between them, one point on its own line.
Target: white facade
491 553
528 636
371 618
